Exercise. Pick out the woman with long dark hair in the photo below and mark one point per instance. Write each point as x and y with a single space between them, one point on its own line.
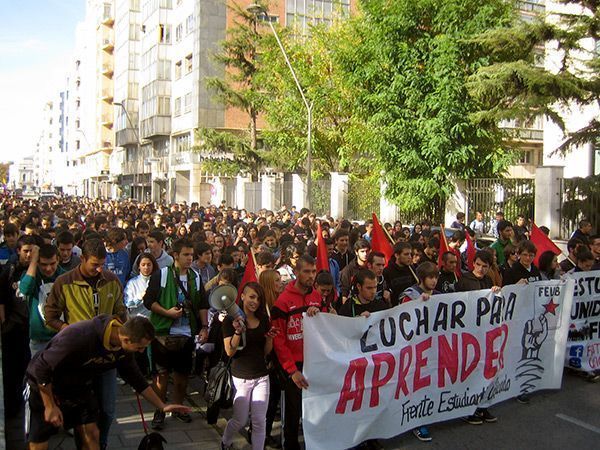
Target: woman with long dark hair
248 367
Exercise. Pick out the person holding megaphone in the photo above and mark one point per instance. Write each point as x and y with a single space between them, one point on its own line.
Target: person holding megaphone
248 367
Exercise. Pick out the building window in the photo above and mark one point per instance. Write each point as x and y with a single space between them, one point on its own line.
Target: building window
178 70
188 63
189 24
77 145
177 106
164 34
107 12
188 102
182 143
164 106
179 32
524 157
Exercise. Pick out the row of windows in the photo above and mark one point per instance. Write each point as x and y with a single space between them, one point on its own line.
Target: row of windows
187 68
189 27
187 104
156 106
182 143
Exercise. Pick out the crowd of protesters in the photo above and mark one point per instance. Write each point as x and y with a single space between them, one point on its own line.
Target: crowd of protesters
92 287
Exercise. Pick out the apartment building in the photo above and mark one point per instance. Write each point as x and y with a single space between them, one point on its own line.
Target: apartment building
21 174
126 168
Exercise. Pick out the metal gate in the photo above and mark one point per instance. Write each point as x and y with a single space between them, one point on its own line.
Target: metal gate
580 200
512 196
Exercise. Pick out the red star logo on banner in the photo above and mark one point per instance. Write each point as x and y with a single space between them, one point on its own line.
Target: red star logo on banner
551 307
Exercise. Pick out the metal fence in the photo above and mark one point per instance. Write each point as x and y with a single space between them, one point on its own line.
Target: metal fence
253 196
230 192
320 197
580 200
282 195
363 198
512 196
434 213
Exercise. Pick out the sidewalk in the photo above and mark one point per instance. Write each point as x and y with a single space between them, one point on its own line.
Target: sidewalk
127 430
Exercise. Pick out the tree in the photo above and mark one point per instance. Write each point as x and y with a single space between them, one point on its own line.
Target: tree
232 153
323 82
517 85
407 63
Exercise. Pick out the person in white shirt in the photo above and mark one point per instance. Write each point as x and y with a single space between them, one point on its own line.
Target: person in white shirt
136 286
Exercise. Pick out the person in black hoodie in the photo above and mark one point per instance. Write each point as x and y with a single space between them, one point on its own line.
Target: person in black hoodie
59 378
362 249
477 280
342 253
399 273
363 302
523 271
14 319
447 278
427 274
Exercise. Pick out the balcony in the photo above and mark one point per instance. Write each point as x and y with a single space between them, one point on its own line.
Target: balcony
135 167
108 44
107 120
108 20
526 134
187 157
107 95
107 70
155 126
125 137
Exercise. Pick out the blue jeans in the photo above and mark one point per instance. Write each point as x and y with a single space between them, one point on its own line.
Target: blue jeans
105 387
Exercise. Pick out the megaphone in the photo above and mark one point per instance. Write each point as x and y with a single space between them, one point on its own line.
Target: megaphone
223 297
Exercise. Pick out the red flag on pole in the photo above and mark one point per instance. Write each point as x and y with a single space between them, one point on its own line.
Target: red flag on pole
471 250
542 242
249 274
322 257
443 246
380 241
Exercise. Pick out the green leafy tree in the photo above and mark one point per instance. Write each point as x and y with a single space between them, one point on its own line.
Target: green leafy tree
517 85
324 85
227 152
407 63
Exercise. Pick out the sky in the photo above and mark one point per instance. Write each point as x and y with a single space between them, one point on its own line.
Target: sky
36 40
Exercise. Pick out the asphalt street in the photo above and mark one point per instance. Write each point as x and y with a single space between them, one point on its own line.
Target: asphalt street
568 418
563 419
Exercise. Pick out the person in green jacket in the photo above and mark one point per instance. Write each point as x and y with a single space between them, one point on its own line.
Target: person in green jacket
179 309
506 235
35 285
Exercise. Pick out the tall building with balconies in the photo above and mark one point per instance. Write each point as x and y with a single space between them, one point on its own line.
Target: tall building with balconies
155 96
97 159
125 166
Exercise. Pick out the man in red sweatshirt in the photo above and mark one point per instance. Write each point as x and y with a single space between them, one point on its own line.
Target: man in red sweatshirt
298 297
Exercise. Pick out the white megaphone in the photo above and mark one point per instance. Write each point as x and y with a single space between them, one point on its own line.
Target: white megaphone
222 298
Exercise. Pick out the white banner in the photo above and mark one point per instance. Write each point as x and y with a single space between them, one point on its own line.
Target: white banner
424 362
583 349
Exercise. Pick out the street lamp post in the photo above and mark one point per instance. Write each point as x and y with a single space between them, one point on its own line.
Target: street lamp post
257 10
135 132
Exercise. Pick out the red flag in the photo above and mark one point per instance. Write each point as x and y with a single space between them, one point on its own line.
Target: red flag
380 241
543 243
471 250
322 257
443 246
249 274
